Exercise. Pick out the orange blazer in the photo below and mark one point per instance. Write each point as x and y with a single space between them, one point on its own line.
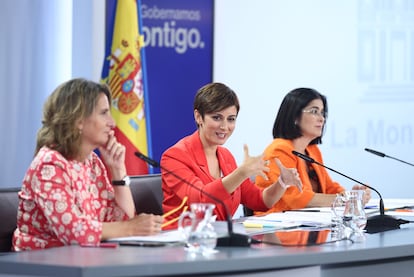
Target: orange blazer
293 199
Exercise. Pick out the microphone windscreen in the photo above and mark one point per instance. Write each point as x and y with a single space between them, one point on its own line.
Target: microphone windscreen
375 152
303 156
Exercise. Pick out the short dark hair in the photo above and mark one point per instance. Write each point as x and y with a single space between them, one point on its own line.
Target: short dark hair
215 97
290 111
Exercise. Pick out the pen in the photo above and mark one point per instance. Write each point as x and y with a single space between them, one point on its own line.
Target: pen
143 243
400 209
404 210
101 245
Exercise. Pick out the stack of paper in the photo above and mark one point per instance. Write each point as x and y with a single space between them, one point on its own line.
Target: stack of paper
287 220
163 238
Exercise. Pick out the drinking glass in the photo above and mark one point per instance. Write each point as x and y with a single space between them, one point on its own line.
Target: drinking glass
350 207
196 226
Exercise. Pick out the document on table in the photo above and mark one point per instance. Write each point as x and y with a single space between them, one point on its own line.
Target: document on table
315 217
172 237
393 206
312 217
257 222
165 237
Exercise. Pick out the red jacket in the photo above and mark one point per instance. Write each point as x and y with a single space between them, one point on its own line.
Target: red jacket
293 199
188 161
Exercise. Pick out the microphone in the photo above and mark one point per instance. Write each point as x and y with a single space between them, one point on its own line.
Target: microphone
384 155
376 223
232 238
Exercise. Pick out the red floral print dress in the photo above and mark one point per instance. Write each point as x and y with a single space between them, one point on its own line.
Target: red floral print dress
64 202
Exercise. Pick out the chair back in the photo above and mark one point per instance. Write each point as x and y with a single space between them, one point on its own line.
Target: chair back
9 202
147 193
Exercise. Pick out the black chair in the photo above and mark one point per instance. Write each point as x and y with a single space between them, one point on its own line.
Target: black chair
247 211
9 202
147 193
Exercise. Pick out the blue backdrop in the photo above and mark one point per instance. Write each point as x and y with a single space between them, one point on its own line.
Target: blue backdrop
179 47
178 52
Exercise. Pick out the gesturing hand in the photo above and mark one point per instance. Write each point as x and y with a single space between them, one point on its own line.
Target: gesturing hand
288 176
253 166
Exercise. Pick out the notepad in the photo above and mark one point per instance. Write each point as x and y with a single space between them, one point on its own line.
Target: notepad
259 223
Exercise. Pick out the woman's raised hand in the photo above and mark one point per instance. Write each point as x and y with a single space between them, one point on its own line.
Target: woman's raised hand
114 156
288 176
254 165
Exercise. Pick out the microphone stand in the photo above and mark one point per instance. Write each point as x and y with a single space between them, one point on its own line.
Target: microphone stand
376 223
232 238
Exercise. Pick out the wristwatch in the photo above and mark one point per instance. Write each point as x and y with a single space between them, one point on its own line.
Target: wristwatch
126 181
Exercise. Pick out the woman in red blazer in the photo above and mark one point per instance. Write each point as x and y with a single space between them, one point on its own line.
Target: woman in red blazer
202 161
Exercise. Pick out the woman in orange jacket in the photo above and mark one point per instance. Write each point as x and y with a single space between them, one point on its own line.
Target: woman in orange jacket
299 126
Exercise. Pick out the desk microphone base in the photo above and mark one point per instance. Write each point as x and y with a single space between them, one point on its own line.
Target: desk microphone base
235 240
382 223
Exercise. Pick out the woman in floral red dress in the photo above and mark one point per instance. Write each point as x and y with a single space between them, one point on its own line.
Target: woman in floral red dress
66 197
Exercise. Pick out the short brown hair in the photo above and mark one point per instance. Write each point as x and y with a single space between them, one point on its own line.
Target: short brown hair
215 97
